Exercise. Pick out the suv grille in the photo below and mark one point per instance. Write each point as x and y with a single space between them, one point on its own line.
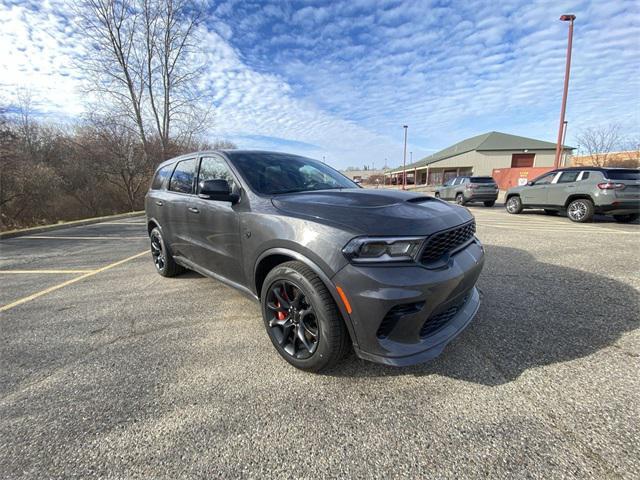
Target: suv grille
439 320
444 242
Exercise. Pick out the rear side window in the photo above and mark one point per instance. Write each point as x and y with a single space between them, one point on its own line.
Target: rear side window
585 175
482 180
568 177
623 174
161 175
182 178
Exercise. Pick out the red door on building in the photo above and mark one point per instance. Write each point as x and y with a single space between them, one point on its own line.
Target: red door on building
448 175
522 160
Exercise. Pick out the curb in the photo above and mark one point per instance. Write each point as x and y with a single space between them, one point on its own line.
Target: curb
73 223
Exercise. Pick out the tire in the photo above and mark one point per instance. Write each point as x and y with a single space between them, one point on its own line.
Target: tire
314 316
550 212
460 199
631 217
513 205
162 258
437 194
580 210
490 203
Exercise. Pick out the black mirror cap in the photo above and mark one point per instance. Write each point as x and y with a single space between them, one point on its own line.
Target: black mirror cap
217 190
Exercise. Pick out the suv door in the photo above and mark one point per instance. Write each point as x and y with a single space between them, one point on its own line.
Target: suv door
216 234
562 187
179 208
450 190
536 194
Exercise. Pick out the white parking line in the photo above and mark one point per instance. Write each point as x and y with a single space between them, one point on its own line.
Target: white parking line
107 237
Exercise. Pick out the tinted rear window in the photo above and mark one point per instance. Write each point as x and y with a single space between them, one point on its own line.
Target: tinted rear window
482 180
623 174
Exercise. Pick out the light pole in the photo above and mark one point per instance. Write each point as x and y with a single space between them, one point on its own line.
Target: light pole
404 159
559 146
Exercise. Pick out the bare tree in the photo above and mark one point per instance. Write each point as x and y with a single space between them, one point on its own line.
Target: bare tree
598 143
143 59
116 154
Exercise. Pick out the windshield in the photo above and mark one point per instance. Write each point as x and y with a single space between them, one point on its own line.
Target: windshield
623 174
275 173
482 180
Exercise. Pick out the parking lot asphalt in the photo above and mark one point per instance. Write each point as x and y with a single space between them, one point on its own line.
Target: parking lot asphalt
109 370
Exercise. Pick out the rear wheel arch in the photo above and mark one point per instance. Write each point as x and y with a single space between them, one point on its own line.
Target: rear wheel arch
270 259
577 196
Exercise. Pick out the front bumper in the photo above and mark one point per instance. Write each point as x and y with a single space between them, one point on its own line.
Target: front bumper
402 315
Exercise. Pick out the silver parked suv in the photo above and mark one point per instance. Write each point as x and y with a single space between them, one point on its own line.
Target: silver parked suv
581 192
469 189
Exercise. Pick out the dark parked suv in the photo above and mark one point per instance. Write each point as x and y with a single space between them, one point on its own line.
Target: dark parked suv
391 273
469 189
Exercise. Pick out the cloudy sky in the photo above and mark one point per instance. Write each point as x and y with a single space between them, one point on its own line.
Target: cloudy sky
339 79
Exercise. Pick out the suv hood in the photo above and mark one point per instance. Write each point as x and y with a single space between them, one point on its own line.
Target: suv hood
374 212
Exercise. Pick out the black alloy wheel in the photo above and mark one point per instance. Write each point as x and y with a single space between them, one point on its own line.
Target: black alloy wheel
302 319
157 252
293 321
162 258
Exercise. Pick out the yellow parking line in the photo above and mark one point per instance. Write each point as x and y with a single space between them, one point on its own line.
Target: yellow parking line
43 271
69 282
107 237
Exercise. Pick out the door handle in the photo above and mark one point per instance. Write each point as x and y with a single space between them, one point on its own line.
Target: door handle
194 210
159 203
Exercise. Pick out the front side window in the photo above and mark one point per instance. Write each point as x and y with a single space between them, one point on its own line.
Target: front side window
568 177
161 175
545 179
182 178
214 168
276 173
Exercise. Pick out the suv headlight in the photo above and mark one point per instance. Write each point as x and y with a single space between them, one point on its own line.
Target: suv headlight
383 249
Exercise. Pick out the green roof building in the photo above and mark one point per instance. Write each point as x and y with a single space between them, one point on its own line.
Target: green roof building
478 155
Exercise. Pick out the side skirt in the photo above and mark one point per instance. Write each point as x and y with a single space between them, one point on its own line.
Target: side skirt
208 273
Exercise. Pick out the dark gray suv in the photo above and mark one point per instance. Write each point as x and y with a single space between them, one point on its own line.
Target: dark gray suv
333 265
469 189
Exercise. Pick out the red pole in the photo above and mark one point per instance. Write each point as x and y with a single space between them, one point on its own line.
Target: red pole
564 136
559 145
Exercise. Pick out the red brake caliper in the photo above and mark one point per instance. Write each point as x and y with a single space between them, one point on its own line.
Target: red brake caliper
280 315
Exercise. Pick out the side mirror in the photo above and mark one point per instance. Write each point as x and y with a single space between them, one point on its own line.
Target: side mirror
530 184
217 190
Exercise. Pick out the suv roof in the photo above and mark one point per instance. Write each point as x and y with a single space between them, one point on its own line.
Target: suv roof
597 169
